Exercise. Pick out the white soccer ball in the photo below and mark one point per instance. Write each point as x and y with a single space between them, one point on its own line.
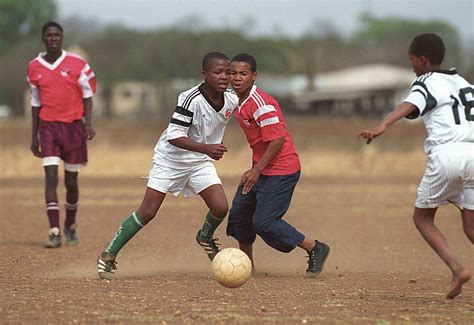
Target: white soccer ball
231 267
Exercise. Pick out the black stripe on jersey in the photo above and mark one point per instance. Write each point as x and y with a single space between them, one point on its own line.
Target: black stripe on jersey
179 122
189 98
183 111
430 100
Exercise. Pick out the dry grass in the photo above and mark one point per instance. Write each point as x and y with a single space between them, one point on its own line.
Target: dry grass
327 147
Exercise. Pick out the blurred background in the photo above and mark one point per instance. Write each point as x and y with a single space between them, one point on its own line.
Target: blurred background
335 67
317 57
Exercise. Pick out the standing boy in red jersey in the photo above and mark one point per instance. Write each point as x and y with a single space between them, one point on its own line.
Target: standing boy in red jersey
266 189
62 85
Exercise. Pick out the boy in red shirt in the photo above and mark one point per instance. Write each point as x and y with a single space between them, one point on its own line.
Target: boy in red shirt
62 85
265 190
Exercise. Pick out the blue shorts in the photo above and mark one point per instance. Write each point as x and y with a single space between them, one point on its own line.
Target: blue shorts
260 212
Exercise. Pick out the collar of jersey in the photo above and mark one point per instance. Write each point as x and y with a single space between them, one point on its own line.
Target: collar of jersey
254 89
451 71
49 65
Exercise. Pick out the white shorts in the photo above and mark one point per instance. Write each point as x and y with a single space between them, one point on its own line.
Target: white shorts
176 178
449 177
54 161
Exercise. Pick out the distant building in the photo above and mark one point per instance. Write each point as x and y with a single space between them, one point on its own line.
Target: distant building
370 90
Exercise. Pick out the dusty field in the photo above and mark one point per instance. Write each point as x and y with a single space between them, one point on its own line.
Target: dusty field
357 199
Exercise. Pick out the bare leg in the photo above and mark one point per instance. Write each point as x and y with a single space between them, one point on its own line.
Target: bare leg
424 221
307 244
216 201
247 249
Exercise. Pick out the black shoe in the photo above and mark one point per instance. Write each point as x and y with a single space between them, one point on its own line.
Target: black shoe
317 258
106 266
210 247
71 236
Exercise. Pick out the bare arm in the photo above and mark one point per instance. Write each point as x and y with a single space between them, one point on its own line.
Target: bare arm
251 176
399 112
88 117
215 151
35 148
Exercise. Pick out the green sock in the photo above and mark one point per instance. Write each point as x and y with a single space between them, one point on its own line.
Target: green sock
129 227
209 227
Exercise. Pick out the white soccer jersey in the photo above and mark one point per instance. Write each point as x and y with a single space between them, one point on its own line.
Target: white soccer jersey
195 118
445 100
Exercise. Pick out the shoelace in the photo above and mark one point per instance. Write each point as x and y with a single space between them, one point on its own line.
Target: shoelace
312 258
214 244
110 265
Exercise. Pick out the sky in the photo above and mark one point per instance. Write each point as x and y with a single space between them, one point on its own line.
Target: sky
269 17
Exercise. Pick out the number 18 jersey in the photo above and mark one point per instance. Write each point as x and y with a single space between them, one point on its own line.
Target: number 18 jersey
445 101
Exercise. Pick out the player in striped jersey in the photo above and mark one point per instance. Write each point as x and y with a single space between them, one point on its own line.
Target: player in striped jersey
445 101
62 85
182 162
265 190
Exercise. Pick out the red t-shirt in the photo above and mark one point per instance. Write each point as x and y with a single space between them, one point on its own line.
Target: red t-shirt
59 88
262 121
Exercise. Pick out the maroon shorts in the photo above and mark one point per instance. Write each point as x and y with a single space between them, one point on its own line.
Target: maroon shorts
67 141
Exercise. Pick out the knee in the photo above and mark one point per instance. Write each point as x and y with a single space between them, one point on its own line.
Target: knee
220 211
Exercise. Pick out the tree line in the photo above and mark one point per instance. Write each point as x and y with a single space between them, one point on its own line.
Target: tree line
119 53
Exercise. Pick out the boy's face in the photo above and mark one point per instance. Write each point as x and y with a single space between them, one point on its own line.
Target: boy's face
419 63
53 39
241 76
217 76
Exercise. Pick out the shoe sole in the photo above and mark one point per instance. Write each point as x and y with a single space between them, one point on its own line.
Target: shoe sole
106 275
51 246
72 243
310 274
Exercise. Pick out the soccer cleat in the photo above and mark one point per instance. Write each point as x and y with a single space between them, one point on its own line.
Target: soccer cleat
106 266
210 246
71 237
54 238
317 257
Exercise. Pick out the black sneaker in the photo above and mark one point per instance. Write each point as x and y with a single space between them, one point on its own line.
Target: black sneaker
210 247
54 238
317 258
106 266
71 237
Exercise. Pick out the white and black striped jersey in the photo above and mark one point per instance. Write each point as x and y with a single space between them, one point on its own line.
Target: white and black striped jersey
195 118
445 100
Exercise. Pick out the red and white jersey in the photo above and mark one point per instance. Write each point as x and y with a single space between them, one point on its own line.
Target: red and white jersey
59 88
445 100
262 121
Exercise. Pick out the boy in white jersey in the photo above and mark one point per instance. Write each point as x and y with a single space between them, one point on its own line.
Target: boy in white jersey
445 100
182 162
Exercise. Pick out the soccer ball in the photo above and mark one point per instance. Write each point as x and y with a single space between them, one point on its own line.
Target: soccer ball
231 267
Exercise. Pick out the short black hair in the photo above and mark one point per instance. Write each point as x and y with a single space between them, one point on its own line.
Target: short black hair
430 46
247 58
209 57
51 24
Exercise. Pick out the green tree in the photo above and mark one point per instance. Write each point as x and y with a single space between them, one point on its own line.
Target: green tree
22 18
387 39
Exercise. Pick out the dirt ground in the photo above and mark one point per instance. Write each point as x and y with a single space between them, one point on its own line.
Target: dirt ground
380 271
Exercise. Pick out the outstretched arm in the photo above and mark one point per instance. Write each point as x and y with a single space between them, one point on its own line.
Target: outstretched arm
399 112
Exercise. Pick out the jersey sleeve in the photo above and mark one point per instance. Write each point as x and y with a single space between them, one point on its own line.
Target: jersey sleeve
181 119
270 125
421 98
34 90
87 81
